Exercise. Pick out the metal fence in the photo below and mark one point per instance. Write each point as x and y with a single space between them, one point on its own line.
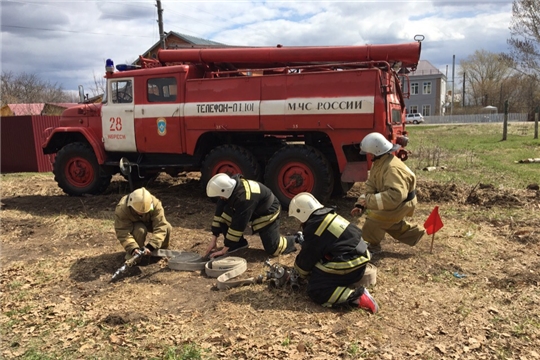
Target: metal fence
21 139
477 118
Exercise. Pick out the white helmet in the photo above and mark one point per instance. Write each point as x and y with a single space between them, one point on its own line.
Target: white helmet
220 185
140 200
303 205
376 144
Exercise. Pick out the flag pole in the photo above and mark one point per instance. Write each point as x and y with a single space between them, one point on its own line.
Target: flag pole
433 235
433 224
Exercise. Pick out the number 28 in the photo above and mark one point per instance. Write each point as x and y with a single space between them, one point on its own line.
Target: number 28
116 124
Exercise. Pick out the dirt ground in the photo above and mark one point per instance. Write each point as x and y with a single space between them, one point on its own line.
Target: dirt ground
475 296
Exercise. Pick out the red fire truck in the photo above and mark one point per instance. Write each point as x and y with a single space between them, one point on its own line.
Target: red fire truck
292 117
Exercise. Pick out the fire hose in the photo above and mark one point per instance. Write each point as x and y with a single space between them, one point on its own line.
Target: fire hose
129 263
225 269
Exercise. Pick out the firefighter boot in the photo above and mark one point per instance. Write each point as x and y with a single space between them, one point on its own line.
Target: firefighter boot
365 301
290 244
374 249
368 303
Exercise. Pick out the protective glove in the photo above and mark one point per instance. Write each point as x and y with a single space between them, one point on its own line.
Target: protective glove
144 251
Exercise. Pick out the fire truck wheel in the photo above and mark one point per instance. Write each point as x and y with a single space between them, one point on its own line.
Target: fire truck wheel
77 171
230 159
298 168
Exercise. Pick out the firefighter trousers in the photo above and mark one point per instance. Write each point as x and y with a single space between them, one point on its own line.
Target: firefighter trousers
140 231
332 290
274 244
373 232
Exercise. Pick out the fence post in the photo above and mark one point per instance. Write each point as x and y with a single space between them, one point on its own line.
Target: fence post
536 116
505 121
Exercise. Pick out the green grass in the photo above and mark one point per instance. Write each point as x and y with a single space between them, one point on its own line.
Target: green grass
475 153
186 352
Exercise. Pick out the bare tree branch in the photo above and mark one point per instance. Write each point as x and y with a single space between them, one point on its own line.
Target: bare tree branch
28 89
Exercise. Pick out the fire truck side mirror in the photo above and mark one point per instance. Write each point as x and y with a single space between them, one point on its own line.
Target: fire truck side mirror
125 167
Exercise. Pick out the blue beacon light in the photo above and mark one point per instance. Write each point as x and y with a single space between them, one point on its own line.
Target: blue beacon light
109 66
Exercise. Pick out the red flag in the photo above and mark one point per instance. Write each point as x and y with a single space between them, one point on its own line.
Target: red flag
433 222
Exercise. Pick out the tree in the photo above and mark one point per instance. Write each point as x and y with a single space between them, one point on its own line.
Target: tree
525 49
487 76
525 35
29 88
100 85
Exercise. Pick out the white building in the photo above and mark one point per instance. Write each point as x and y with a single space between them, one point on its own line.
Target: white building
427 86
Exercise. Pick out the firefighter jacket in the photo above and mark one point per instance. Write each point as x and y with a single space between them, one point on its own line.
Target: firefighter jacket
154 220
331 244
390 185
251 203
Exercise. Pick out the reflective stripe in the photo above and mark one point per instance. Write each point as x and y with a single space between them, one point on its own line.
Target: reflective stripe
235 232
324 224
378 199
232 237
227 218
261 222
409 170
247 189
255 187
303 273
343 267
340 295
223 219
338 225
250 187
281 246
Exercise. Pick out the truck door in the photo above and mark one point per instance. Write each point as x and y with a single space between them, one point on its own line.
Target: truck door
157 115
117 119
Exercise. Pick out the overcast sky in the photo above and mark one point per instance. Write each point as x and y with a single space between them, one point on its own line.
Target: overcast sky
67 41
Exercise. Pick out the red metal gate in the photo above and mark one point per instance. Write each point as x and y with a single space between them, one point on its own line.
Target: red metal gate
21 138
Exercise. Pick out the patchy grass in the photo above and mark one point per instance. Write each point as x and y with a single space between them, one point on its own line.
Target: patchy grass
475 296
475 153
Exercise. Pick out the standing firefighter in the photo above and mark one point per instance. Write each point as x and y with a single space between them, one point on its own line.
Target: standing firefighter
245 203
135 216
333 255
390 196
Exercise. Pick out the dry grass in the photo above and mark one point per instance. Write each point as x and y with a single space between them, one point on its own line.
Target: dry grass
475 297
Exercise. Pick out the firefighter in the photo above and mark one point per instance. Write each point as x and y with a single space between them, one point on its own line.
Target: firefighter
333 255
244 203
135 216
390 196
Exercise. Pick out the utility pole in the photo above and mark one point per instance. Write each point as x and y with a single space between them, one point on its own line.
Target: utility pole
505 121
453 82
160 23
463 91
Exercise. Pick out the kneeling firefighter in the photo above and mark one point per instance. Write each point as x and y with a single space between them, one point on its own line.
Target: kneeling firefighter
244 203
136 215
333 254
